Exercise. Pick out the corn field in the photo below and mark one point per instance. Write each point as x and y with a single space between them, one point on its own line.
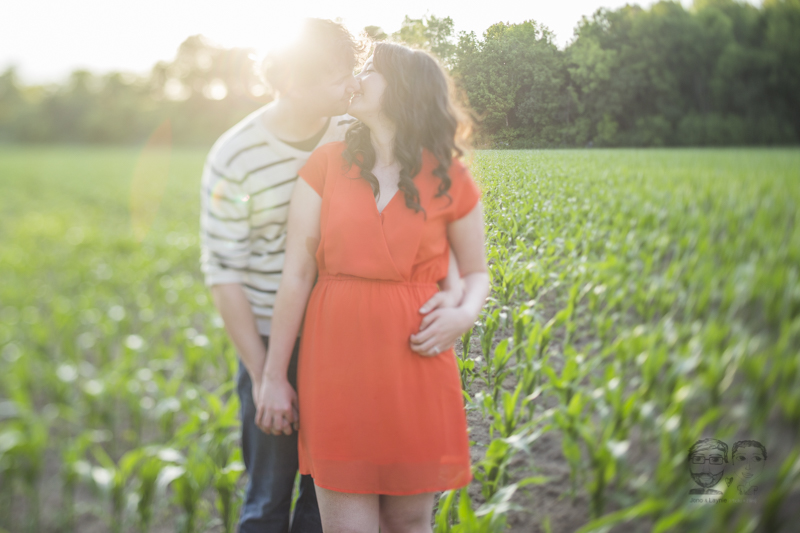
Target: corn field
641 300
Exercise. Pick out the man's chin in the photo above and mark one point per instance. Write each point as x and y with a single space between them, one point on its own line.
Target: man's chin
706 480
342 109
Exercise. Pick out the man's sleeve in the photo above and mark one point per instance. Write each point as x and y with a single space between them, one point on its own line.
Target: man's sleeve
224 227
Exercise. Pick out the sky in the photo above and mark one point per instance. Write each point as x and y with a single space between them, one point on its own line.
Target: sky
47 39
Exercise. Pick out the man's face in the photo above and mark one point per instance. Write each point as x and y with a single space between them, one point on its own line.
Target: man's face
330 95
707 467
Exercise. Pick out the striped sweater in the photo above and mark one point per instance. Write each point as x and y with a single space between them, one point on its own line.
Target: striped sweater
247 181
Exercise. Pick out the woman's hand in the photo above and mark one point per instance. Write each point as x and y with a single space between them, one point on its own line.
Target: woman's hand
276 406
440 329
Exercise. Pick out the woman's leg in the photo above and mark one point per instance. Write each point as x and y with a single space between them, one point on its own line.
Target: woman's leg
406 514
342 512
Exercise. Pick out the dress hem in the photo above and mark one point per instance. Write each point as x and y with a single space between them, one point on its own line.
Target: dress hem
393 493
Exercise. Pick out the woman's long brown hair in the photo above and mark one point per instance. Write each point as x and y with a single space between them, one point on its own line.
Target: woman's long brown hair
419 100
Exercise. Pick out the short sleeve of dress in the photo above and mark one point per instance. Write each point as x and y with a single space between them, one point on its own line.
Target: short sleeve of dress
313 172
463 190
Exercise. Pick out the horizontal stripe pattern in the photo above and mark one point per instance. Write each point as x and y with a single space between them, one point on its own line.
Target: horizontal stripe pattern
247 183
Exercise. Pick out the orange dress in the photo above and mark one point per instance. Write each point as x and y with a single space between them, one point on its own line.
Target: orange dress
376 417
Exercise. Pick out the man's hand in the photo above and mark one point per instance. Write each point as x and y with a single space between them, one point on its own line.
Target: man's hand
439 330
442 299
276 407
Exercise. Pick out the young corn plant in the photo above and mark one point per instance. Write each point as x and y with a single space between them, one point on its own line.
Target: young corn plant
456 515
466 365
507 414
113 478
74 468
506 274
225 481
23 441
496 369
189 476
521 317
492 470
147 482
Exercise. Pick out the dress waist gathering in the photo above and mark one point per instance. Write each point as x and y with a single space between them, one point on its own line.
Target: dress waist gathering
346 277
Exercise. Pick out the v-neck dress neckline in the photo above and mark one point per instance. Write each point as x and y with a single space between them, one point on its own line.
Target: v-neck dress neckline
381 211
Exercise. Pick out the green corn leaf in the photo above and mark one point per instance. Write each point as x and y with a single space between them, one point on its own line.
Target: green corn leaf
644 509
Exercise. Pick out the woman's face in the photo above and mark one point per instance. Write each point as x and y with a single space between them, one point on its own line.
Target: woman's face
366 101
749 462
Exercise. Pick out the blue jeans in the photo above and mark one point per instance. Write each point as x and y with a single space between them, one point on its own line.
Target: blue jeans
271 463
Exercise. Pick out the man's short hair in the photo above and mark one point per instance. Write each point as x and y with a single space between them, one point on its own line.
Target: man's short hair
320 46
749 444
709 444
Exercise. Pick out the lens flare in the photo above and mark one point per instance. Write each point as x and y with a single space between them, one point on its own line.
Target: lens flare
219 197
150 179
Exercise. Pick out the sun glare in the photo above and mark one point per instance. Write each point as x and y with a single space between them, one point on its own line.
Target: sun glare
263 36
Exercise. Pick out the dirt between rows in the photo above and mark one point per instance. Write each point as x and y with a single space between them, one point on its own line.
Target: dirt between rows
540 504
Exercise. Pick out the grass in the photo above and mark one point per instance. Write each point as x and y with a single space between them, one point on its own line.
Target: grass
642 299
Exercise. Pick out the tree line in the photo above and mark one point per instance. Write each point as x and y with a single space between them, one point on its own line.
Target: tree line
721 72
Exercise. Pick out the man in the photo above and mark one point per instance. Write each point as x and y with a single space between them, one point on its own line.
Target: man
707 460
247 182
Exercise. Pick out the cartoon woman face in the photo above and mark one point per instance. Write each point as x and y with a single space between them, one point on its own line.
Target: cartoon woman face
749 463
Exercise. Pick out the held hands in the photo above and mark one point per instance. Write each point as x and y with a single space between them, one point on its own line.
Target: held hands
444 322
276 406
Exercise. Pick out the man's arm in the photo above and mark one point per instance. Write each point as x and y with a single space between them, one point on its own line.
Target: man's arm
451 289
440 329
225 252
240 323
450 295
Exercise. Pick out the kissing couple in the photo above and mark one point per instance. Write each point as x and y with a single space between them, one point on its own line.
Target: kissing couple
343 243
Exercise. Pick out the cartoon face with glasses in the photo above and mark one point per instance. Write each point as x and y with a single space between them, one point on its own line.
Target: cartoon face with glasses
707 461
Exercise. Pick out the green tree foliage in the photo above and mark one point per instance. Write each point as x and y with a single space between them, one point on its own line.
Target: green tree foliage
429 33
516 83
667 75
203 91
722 72
375 33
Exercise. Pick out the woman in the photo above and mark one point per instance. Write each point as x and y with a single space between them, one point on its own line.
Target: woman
383 423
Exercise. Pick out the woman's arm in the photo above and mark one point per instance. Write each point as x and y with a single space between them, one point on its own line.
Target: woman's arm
440 328
276 402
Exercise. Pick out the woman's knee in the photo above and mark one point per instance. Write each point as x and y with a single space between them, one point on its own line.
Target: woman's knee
347 513
405 523
406 514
